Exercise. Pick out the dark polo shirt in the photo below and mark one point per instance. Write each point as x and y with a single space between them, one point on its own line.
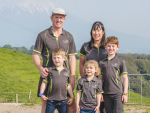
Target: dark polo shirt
95 53
46 42
58 81
89 89
112 71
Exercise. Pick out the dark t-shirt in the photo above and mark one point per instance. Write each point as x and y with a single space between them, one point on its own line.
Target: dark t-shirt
112 71
95 53
88 92
58 81
46 42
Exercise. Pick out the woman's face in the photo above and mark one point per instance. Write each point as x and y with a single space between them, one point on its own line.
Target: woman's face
97 34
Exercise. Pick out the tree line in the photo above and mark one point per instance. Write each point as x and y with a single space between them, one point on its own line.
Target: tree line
20 49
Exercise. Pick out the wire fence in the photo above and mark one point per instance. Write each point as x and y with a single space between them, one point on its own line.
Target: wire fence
138 91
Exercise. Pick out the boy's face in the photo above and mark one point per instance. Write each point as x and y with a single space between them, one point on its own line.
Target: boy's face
111 48
58 60
90 70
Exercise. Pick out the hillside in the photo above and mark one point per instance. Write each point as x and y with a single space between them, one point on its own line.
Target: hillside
18 75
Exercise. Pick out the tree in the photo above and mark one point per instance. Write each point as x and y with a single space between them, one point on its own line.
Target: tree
7 46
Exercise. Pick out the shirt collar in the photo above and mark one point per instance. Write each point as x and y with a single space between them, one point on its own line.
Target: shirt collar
94 78
112 58
51 32
54 68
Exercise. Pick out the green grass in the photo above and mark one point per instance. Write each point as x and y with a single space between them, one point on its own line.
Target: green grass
15 69
135 98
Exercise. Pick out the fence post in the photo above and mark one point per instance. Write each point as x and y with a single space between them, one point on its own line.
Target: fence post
16 98
141 89
29 94
129 89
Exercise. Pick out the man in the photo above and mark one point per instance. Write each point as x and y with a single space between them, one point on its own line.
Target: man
46 42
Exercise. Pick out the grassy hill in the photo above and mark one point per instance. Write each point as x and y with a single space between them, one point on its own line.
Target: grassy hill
18 75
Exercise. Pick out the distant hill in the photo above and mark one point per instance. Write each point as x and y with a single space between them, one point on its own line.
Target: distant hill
18 75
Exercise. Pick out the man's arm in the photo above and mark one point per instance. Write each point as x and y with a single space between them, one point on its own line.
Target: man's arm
72 67
81 65
37 62
125 85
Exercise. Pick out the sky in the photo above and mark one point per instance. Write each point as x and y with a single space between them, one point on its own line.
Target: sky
129 16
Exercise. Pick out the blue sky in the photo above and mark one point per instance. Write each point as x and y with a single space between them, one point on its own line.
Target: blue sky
128 16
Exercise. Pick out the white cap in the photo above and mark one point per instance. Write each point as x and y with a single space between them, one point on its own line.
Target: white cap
58 11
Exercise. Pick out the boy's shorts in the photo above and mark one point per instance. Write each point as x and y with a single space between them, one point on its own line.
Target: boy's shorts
39 87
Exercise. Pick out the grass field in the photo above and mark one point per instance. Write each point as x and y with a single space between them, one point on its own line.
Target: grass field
18 75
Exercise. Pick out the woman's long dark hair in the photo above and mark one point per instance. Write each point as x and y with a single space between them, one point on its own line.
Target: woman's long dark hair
95 26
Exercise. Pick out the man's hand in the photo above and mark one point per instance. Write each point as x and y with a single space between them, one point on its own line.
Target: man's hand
44 72
96 109
43 98
124 99
72 80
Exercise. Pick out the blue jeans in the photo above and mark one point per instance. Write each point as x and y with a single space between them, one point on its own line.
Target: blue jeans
83 111
61 106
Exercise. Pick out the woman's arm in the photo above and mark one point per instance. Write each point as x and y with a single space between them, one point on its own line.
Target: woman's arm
82 61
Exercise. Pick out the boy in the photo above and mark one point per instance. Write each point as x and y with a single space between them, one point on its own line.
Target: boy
113 69
57 79
89 89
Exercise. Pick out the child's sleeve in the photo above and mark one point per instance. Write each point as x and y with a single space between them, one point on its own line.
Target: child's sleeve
79 85
123 68
99 87
47 79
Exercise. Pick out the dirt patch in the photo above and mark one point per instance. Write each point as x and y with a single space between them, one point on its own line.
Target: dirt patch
135 110
17 108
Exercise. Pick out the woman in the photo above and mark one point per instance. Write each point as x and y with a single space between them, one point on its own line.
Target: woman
94 49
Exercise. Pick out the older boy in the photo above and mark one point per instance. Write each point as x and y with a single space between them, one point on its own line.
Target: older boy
58 81
113 69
